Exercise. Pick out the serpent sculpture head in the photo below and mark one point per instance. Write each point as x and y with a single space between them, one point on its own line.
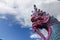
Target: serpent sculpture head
42 20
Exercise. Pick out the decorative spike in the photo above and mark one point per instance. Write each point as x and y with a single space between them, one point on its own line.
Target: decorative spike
35 8
38 10
34 5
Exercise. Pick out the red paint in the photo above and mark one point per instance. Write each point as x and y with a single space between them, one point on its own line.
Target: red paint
38 19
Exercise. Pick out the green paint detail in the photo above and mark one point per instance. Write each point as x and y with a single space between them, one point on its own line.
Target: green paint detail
55 30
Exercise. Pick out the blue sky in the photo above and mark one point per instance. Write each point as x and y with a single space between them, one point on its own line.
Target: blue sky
10 29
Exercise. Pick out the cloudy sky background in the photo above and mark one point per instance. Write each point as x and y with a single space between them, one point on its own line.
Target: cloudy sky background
21 11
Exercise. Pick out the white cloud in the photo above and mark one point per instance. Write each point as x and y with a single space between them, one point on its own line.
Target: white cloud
53 8
43 31
3 17
35 36
23 8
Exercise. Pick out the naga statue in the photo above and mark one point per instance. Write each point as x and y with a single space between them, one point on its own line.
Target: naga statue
43 20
